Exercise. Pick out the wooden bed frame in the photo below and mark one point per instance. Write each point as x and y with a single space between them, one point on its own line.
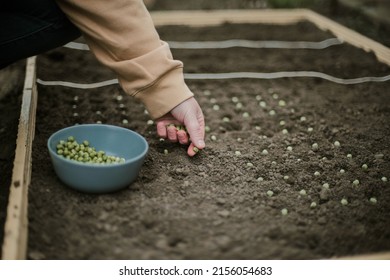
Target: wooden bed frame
16 226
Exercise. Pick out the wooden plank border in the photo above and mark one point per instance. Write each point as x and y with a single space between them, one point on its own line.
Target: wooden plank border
354 38
372 256
16 224
216 17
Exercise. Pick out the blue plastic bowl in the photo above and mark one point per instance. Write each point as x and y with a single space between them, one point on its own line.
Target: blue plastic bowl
95 178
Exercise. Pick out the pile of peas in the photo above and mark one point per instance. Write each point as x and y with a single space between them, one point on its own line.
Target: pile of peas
84 153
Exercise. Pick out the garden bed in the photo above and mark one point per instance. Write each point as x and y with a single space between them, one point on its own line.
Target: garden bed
218 205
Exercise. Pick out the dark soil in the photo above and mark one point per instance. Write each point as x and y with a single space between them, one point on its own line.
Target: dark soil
334 9
215 206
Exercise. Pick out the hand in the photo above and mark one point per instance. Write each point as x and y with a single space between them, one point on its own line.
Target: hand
190 114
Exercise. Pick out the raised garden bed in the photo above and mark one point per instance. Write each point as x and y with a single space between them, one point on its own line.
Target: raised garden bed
218 205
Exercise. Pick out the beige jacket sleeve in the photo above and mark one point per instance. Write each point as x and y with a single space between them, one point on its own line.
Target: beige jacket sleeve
122 36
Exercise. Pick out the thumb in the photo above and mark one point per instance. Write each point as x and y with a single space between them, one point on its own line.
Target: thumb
191 115
195 128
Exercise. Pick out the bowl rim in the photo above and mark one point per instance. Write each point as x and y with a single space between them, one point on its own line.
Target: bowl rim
85 164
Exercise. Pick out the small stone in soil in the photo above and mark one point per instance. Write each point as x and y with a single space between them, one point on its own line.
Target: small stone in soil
224 213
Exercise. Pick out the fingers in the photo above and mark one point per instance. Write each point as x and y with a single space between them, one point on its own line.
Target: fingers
190 114
175 133
196 132
162 126
172 133
161 129
182 136
191 151
179 134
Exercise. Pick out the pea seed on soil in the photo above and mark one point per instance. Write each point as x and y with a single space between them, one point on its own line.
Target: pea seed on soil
213 206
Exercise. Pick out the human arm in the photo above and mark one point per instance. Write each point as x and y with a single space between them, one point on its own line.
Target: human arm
122 36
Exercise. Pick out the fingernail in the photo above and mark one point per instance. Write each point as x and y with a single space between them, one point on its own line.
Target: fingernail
201 143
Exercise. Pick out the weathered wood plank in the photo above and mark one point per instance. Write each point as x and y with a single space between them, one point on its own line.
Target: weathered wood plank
16 225
217 17
352 37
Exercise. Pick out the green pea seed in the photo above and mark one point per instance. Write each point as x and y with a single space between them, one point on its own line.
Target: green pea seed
85 153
